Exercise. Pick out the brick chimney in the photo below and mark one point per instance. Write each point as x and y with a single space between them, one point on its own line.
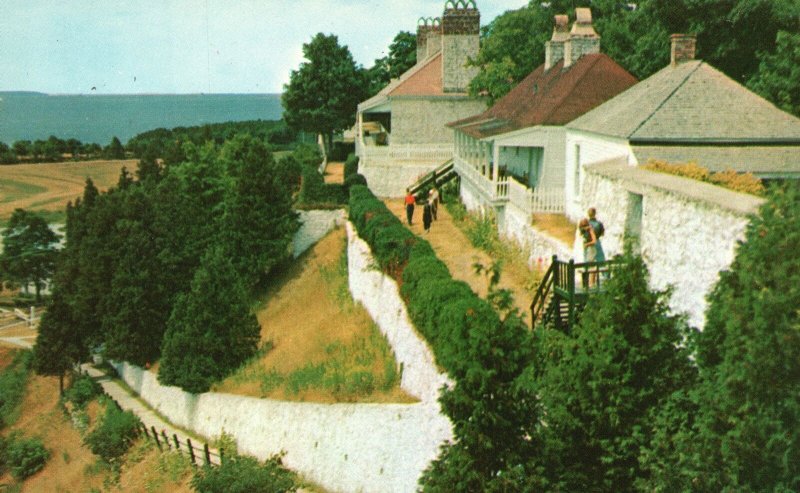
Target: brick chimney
554 49
583 39
461 24
434 44
683 48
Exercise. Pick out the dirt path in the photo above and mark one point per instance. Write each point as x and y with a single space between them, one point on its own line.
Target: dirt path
455 250
334 172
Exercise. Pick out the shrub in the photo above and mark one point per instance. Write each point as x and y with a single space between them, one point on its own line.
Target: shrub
239 474
115 433
730 179
12 385
82 391
355 179
25 457
350 166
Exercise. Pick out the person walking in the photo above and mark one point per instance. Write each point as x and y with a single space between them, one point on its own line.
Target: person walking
434 197
427 216
409 206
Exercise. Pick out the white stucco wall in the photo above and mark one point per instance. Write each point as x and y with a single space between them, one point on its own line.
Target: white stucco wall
314 226
582 149
423 120
689 230
390 179
342 447
539 246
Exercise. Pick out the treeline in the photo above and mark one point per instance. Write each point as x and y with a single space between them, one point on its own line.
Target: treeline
168 144
636 35
159 143
55 150
165 264
632 399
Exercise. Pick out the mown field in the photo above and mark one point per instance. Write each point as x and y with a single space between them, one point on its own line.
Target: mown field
47 187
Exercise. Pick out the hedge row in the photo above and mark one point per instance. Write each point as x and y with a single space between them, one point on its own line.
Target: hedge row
455 321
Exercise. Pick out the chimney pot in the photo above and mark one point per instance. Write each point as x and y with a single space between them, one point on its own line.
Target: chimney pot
554 49
583 39
683 48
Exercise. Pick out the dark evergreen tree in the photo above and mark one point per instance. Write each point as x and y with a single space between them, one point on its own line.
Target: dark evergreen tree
602 385
259 222
114 150
211 330
739 429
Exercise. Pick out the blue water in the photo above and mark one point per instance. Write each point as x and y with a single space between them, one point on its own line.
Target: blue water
90 118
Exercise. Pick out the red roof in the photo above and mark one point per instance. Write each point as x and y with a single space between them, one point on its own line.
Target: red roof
552 97
427 81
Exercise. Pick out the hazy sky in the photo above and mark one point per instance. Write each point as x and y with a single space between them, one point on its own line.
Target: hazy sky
190 46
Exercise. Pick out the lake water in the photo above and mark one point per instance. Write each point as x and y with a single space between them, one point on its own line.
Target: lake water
98 118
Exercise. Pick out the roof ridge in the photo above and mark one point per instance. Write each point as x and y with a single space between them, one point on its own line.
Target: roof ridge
663 101
577 81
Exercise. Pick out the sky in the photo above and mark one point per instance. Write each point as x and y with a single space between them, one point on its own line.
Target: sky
191 46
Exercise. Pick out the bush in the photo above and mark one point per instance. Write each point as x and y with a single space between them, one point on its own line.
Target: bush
354 179
115 433
12 385
82 391
730 179
239 474
350 166
24 457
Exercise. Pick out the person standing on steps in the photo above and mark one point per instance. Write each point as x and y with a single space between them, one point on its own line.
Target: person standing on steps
589 250
427 216
409 206
599 230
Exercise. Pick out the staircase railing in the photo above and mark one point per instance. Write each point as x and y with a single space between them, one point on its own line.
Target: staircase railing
560 285
437 176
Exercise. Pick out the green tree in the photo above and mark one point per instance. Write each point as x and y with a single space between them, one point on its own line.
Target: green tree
778 76
401 57
741 424
211 330
323 93
114 150
29 252
602 385
259 222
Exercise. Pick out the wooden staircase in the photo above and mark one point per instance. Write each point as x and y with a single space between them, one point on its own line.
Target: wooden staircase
441 175
565 289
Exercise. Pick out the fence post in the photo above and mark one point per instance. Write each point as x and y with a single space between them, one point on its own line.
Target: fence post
191 450
166 439
221 455
155 435
177 443
207 454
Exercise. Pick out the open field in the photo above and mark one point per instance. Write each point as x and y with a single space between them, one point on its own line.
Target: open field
47 187
318 345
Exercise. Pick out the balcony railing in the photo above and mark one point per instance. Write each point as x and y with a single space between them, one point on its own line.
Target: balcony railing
436 153
490 190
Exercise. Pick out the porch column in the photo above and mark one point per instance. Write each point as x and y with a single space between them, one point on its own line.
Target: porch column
496 157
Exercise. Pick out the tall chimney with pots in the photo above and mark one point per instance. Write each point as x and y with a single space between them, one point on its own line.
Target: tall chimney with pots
422 39
683 48
583 39
434 44
554 49
461 25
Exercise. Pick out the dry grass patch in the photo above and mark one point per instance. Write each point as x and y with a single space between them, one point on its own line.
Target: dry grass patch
556 225
317 345
47 187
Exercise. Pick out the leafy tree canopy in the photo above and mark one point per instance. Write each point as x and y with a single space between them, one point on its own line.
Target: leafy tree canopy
401 57
29 250
323 93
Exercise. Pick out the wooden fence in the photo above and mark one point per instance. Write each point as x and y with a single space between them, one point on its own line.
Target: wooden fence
199 455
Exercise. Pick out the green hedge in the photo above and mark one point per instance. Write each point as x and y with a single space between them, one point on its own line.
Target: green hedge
350 166
453 319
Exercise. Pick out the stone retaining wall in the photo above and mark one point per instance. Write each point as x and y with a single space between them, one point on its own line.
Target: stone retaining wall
342 447
314 226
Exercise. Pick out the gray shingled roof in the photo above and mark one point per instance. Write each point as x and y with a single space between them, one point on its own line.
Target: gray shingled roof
690 102
766 161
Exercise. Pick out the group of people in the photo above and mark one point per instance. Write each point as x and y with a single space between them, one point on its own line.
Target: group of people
429 209
591 230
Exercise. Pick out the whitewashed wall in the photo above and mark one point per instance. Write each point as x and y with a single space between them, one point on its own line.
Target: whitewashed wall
315 225
390 179
539 246
689 230
342 447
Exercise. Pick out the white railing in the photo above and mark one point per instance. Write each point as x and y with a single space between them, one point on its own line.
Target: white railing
491 190
548 200
408 152
519 195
